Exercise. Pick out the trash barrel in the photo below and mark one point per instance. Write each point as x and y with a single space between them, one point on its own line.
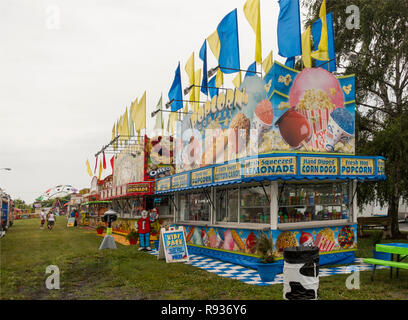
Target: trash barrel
301 273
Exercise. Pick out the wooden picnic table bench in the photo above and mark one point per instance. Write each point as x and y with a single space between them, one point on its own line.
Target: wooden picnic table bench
399 249
374 222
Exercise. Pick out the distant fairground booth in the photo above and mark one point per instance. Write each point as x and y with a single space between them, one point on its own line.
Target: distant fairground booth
131 187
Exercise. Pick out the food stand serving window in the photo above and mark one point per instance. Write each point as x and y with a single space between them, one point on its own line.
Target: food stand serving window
194 207
164 205
313 202
246 204
254 206
227 205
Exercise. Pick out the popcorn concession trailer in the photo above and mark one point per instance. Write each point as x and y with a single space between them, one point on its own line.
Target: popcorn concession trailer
280 156
299 199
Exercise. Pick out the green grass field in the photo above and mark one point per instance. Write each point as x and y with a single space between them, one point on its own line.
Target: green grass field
125 273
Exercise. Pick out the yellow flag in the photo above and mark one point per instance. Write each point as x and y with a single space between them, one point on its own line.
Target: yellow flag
190 69
172 122
214 43
267 63
120 129
306 48
185 110
113 136
158 125
237 80
133 113
196 89
125 125
252 11
115 145
219 78
322 52
140 118
88 167
100 170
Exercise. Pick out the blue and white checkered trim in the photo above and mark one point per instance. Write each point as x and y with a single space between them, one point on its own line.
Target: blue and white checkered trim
251 276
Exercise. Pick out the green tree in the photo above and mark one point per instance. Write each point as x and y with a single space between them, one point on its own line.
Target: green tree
376 52
20 204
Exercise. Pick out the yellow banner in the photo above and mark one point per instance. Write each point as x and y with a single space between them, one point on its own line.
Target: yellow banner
201 177
380 167
361 167
270 166
318 166
227 172
140 187
180 181
163 185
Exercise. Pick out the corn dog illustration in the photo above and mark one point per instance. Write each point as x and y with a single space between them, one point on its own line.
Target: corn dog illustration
190 234
238 240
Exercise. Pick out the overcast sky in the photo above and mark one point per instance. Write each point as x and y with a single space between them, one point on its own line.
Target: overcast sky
69 68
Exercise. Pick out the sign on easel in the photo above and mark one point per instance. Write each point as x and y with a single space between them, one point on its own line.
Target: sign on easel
173 245
71 222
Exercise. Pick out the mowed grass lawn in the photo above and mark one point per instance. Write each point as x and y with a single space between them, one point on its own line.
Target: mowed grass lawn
125 273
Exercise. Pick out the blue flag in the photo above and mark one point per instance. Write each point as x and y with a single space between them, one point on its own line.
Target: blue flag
316 33
289 35
228 34
212 89
203 56
175 91
251 70
290 62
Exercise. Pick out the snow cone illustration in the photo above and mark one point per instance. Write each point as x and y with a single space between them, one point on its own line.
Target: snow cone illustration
204 236
229 242
294 128
263 118
197 239
339 129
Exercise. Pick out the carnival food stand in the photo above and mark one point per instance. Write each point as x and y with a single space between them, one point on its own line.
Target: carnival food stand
133 183
281 160
92 208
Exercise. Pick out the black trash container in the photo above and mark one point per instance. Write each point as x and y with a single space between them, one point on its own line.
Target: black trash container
301 273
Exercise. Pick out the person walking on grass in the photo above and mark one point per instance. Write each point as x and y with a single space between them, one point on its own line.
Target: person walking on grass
51 220
42 217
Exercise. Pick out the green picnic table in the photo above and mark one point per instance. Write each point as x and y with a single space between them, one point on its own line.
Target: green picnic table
398 249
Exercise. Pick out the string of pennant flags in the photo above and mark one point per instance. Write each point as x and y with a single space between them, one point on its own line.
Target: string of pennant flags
224 45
